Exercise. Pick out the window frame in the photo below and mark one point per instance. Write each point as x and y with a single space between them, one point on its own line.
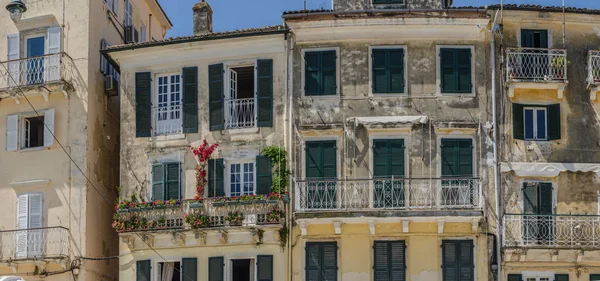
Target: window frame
438 62
112 8
388 242
537 275
43 207
227 66
227 175
473 153
520 32
22 130
337 72
154 99
228 268
535 124
404 48
155 268
521 199
32 36
376 137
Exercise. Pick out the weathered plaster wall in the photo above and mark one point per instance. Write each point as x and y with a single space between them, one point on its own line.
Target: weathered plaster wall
350 5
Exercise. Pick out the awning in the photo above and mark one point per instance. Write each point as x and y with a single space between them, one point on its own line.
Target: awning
381 120
524 169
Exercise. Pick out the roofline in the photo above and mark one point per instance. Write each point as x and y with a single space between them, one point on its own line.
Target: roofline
163 13
379 11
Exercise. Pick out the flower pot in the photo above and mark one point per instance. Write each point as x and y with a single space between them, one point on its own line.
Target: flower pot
231 203
218 204
135 209
159 207
246 202
122 211
196 205
272 201
260 201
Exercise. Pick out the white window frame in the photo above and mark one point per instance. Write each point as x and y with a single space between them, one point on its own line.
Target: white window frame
227 67
402 47
337 72
155 273
113 6
228 175
128 13
23 130
438 78
253 267
535 128
155 96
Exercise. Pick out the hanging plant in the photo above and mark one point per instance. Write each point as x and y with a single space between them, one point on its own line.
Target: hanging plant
281 174
203 154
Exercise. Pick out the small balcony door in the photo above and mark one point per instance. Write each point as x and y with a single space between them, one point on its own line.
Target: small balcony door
538 206
35 64
168 110
537 63
388 173
457 162
240 103
321 173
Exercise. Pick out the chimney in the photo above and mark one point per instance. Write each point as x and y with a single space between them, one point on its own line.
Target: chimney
202 18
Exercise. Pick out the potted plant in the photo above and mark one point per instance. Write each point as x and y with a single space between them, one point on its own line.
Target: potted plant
246 199
197 221
171 203
145 205
260 199
133 206
122 207
273 198
162 223
558 63
197 203
218 201
235 218
274 216
158 204
232 200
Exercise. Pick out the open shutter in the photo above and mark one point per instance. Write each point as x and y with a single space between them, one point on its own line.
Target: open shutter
142 270
562 277
49 127
13 55
264 267
312 75
546 198
12 132
22 223
329 261
215 269
396 71
447 67
53 62
215 178
189 269
518 124
264 175
379 72
328 72
190 100
34 237
215 97
463 70
265 92
158 182
172 184
143 104
554 121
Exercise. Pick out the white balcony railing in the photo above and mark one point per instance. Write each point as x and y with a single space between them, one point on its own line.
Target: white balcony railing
375 194
551 231
241 113
594 68
537 65
36 71
34 243
167 120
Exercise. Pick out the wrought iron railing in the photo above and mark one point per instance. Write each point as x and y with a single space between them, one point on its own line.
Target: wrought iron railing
538 65
167 120
393 193
551 231
241 113
34 243
238 212
36 71
150 218
594 67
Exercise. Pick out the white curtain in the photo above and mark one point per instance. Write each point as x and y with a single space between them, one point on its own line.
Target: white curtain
167 272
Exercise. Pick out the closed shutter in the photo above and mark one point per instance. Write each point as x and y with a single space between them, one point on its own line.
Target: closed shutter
264 175
457 260
457 158
22 223
562 277
328 72
313 262
448 75
34 237
329 160
329 261
388 158
12 132
545 198
158 182
396 71
321 261
530 198
388 71
216 97
312 75
190 100
554 122
516 277
449 261
314 155
264 267
265 92
49 127
380 78
215 269
398 261
389 261
215 178
143 104
143 270
172 185
53 62
518 123
466 262
594 277
189 269
14 64
463 70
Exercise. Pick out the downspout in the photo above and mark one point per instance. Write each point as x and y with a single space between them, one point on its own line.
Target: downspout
290 93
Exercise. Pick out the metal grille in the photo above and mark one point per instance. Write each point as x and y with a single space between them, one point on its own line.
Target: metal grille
34 243
241 113
552 231
36 71
254 212
539 65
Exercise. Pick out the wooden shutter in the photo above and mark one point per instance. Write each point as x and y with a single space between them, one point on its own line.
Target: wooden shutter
215 269
457 157
264 175
593 277
12 132
329 160
53 62
264 267
515 277
321 261
530 198
554 121
14 66
397 261
143 270
143 104
329 261
312 73
190 100
389 261
328 72
562 277
380 159
545 198
448 157
518 123
215 178
313 152
49 127
379 66
216 97
158 182
264 82
447 67
388 158
528 38
22 223
457 260
396 71
173 180
463 70
189 269
313 261
466 261
449 261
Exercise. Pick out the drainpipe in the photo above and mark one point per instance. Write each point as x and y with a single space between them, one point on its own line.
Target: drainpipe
290 146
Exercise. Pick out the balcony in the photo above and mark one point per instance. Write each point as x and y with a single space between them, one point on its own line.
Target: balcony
167 119
552 231
34 244
532 68
593 73
241 113
53 72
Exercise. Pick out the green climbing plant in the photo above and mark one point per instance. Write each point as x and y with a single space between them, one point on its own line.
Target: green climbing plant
281 174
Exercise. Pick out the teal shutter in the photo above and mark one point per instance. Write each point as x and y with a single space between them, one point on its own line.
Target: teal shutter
388 161
518 123
457 158
594 277
388 70
216 95
313 262
328 72
463 70
190 100
312 75
189 269
466 261
457 260
172 185
329 160
380 161
321 261
562 277
216 178
397 261
447 66
264 267
516 277
142 269
321 160
264 175
143 104
532 38
389 261
545 198
449 261
265 93
215 269
329 261
530 198
396 70
158 182
380 78
553 121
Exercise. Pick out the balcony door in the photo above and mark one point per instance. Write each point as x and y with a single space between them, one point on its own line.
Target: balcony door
535 63
168 109
321 175
240 101
35 48
538 207
388 171
457 185
30 237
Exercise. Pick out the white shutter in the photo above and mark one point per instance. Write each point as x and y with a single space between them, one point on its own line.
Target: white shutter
35 239
49 127
53 61
22 223
12 132
13 54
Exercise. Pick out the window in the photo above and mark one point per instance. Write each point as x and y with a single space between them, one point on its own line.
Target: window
34 132
320 74
536 122
128 21
594 277
166 181
143 33
455 70
179 270
242 270
169 271
541 276
388 163
457 260
388 2
538 203
29 130
387 71
240 101
321 261
113 5
29 215
389 260
531 38
458 187
168 105
107 69
34 58
241 179
321 174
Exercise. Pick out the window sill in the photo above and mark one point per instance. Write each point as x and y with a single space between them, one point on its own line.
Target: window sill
169 137
456 95
38 148
243 131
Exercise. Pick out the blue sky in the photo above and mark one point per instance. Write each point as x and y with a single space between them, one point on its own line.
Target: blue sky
237 14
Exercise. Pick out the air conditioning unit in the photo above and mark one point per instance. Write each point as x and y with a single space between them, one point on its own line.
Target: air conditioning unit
111 86
131 34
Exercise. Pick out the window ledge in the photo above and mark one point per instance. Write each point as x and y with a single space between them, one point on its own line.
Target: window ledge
37 148
244 131
169 137
30 183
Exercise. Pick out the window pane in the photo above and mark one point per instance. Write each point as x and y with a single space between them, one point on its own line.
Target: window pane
528 124
541 124
235 185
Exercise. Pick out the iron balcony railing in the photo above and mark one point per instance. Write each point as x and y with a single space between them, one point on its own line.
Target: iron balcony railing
36 71
34 243
537 65
168 119
241 113
384 194
594 68
551 231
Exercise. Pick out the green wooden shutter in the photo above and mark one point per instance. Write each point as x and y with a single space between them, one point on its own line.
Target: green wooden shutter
215 269
388 158
545 198
553 121
396 71
328 73
594 277
463 70
189 269
389 261
447 67
312 75
465 158
397 261
264 267
457 260
329 160
158 182
264 175
172 185
380 161
381 261
313 262
515 277
329 272
314 155
449 261
528 38
190 99
265 93
562 277
457 158
379 71
466 261
530 198
216 94
518 123
143 104
215 178
142 270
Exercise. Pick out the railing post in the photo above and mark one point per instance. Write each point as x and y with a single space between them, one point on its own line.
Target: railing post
406 190
371 194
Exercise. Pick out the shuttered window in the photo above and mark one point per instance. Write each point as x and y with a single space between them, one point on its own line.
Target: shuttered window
388 162
561 277
457 158
321 172
215 268
190 99
30 209
594 277
142 269
387 71
264 85
456 73
264 175
321 261
189 269
515 277
389 262
143 104
457 260
320 76
388 2
264 267
216 170
536 122
216 97
166 181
